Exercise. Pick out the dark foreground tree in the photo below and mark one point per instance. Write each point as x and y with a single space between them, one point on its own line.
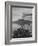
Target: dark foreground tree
21 33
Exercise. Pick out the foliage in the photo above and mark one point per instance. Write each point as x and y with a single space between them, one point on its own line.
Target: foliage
21 33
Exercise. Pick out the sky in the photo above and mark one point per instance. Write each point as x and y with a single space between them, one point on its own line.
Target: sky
17 13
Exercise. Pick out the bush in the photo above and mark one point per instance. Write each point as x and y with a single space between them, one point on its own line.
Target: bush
21 33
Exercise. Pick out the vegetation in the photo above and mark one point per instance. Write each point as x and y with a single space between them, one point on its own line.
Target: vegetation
21 33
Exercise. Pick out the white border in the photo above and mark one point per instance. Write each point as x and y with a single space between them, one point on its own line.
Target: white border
33 30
